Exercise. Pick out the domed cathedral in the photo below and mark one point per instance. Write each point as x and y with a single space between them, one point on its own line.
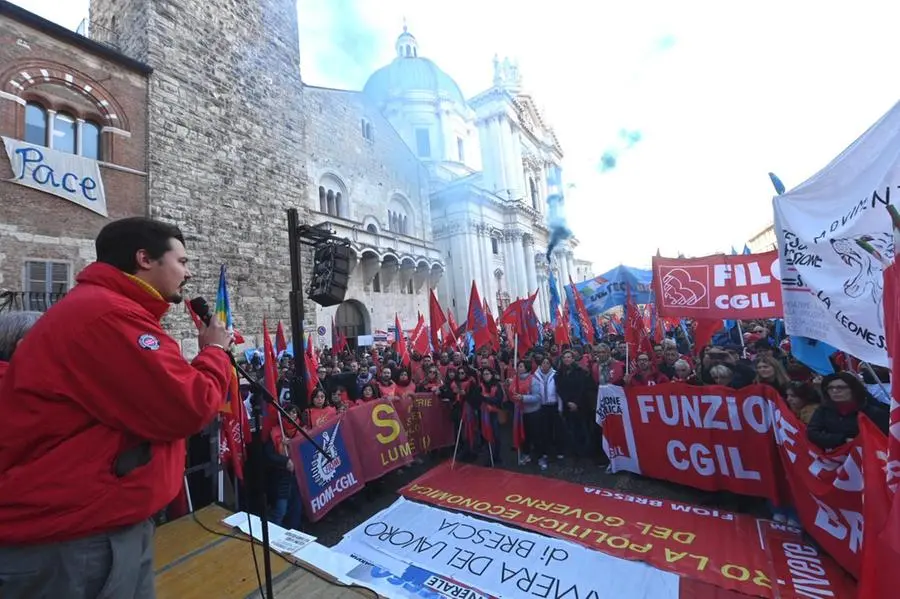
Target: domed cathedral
488 160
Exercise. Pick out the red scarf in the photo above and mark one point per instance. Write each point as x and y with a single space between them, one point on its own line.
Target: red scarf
846 408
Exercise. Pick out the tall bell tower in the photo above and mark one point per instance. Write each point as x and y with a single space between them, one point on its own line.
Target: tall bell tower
226 137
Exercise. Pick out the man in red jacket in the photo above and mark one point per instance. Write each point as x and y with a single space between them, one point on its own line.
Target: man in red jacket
96 406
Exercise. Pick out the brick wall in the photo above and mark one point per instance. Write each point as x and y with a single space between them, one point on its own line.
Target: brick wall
34 224
226 139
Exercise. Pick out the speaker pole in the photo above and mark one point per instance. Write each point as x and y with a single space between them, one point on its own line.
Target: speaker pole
298 382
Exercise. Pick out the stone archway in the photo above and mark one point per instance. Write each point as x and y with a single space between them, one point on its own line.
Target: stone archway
352 320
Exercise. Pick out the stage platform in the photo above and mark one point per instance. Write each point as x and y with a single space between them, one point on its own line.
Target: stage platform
193 563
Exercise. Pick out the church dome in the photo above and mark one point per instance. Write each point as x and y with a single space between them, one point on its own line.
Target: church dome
409 72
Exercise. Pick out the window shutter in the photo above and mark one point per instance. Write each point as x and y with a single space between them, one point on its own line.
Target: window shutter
36 277
60 277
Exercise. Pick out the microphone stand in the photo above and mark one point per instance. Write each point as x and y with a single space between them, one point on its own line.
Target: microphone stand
258 473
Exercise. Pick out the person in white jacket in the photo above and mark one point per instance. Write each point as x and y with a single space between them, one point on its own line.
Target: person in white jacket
543 394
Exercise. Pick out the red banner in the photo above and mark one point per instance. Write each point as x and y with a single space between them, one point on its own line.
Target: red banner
733 551
718 287
826 488
711 438
427 421
380 437
366 442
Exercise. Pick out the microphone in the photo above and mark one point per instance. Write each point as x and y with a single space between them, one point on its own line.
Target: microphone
201 308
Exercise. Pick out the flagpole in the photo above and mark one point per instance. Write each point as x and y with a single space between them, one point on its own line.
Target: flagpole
516 381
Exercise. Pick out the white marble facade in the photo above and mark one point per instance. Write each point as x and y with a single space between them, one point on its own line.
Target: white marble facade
488 160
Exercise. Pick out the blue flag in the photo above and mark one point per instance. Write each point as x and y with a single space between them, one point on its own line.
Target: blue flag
554 297
813 353
747 249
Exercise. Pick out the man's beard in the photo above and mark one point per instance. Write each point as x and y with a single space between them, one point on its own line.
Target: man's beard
175 298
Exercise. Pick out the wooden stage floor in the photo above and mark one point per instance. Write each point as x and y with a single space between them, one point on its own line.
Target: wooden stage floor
193 563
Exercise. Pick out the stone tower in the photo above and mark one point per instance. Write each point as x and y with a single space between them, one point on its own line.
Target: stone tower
226 139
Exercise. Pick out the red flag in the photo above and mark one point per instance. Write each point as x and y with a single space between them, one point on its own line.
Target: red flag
312 367
881 514
436 319
704 329
561 331
635 333
492 327
270 380
581 313
419 338
280 341
452 340
338 341
477 320
401 342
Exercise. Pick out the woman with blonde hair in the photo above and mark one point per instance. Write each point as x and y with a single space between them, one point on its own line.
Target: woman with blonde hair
771 372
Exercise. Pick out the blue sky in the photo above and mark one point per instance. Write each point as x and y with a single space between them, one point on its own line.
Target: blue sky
720 92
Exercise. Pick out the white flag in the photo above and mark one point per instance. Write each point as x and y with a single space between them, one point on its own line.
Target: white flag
832 286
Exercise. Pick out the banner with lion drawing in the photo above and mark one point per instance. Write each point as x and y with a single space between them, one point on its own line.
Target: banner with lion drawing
836 238
723 287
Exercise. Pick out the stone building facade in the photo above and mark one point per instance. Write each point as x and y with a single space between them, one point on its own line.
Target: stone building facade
80 106
369 187
490 160
226 139
763 241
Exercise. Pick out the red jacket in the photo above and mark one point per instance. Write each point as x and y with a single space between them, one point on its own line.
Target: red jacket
3 367
97 375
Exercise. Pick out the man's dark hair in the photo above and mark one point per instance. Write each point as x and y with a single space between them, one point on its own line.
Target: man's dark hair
120 240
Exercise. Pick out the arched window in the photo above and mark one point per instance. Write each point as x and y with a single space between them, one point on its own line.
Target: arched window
35 124
90 140
332 196
376 283
372 229
399 212
64 133
534 193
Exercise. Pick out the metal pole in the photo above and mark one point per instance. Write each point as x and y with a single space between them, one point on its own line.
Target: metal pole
298 382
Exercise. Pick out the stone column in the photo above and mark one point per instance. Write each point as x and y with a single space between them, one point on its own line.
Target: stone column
51 125
563 266
509 266
542 297
470 248
518 168
570 261
530 273
496 125
521 276
487 260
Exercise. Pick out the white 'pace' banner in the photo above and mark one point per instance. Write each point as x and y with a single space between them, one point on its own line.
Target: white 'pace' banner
499 560
68 176
834 239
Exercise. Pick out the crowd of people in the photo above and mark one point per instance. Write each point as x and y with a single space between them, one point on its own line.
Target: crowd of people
555 389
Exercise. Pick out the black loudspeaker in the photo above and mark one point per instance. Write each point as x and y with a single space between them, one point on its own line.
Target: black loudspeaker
331 274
